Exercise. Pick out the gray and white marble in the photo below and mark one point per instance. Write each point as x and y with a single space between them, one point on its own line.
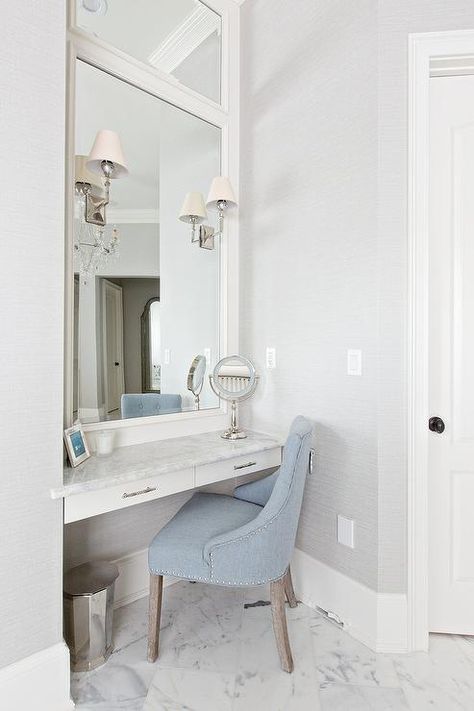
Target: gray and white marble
216 655
139 461
345 697
340 658
441 680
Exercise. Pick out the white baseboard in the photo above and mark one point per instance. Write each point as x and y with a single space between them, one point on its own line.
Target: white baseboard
39 682
133 580
378 620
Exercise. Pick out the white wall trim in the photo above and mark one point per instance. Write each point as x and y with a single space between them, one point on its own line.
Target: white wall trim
39 682
378 620
423 49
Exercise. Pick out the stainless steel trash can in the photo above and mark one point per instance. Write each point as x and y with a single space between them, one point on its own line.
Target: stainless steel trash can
88 613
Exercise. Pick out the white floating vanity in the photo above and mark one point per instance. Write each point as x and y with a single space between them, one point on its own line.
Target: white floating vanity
142 472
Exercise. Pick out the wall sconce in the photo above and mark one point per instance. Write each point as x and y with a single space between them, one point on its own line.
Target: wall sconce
221 197
107 161
194 213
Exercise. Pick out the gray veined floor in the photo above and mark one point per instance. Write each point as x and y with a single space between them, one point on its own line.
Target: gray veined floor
217 656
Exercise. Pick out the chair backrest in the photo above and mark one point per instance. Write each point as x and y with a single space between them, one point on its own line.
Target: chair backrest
146 404
284 505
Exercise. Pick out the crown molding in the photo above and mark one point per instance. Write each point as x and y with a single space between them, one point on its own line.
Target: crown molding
133 217
192 32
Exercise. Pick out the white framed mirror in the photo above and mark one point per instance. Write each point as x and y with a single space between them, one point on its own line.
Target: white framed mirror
172 142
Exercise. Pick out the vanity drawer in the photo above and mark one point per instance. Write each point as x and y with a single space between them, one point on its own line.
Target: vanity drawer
91 503
230 468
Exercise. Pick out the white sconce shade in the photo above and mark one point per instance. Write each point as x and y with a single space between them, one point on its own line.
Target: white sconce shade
221 189
82 174
193 209
107 147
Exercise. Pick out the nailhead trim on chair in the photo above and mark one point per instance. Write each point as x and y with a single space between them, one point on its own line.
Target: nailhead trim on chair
257 530
178 574
236 540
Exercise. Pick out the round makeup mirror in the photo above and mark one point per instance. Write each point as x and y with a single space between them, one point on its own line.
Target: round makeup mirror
196 377
234 379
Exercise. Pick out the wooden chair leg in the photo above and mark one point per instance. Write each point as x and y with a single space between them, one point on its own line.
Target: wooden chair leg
290 593
154 616
277 597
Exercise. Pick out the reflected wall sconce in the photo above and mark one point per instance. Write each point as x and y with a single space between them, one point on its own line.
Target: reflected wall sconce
92 187
221 198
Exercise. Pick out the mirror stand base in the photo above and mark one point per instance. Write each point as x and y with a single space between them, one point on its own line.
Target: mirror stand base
233 434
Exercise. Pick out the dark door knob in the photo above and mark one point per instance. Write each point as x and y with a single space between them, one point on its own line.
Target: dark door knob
436 424
116 363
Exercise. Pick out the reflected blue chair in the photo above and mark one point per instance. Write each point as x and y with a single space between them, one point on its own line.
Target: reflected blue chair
241 540
146 404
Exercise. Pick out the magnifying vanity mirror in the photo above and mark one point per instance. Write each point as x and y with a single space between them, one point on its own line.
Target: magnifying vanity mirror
142 314
196 375
234 379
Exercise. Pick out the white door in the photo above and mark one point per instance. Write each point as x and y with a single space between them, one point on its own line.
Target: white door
451 377
113 345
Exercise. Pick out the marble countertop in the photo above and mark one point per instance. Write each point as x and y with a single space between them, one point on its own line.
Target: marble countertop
139 461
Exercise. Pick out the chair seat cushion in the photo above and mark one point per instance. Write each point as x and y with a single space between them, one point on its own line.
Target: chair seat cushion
177 549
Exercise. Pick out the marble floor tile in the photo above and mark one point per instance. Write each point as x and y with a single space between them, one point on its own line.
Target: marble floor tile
179 689
441 680
200 626
217 656
260 682
345 697
341 659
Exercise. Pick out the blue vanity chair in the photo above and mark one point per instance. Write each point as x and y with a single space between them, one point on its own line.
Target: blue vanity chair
146 404
241 540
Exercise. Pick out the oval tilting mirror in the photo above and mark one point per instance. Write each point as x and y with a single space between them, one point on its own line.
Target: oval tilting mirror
196 377
234 379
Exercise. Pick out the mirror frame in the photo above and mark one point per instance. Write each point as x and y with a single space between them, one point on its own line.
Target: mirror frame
145 344
224 116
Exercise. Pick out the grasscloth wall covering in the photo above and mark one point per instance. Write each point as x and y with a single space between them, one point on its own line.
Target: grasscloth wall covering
308 250
323 205
31 344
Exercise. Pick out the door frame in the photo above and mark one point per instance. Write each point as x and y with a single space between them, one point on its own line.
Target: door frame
105 284
429 54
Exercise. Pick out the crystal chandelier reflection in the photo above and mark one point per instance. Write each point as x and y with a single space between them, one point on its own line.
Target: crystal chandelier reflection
96 242
94 245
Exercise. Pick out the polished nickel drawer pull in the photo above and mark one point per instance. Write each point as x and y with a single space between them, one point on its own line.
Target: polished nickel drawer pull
139 493
244 466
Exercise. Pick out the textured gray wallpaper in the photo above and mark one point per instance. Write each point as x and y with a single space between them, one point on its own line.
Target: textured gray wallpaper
31 342
308 250
323 205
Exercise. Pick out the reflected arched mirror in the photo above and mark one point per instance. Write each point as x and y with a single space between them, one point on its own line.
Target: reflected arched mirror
151 346
195 380
234 379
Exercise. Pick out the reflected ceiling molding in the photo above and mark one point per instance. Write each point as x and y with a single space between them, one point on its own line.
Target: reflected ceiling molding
196 27
123 216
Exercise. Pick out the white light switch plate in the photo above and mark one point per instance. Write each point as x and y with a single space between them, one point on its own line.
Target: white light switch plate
271 358
345 531
354 362
207 356
167 356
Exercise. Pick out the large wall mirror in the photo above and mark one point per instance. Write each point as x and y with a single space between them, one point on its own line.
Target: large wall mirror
149 304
